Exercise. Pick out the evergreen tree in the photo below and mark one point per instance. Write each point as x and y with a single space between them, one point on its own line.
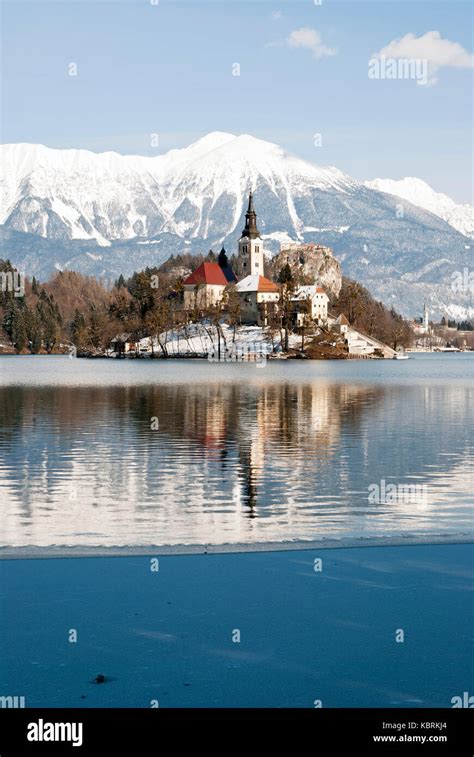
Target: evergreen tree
287 289
286 276
223 260
20 329
35 335
141 290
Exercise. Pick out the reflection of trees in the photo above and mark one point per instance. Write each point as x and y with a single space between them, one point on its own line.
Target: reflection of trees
256 443
46 429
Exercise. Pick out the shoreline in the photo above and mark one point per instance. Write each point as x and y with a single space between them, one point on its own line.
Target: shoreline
412 354
33 552
284 356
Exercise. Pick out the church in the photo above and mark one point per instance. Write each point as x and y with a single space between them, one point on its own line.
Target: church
257 294
206 285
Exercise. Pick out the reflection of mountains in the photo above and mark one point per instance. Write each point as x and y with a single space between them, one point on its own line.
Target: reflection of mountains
261 449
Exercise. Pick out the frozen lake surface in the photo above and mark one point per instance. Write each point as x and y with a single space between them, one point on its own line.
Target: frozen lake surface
168 636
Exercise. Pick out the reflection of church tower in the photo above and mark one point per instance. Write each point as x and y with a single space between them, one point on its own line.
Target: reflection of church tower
251 449
250 243
249 480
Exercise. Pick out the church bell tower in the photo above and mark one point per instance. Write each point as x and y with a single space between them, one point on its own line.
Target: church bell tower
250 243
426 319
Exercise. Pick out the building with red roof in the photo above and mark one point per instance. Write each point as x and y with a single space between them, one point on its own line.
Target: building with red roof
207 273
204 287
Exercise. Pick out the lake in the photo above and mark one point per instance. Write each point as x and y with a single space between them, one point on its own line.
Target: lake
139 452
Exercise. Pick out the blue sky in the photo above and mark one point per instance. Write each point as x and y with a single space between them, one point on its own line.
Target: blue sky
166 69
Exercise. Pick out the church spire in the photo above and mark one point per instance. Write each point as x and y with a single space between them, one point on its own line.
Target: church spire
251 208
250 230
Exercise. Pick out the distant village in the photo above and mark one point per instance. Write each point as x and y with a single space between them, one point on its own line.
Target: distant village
444 336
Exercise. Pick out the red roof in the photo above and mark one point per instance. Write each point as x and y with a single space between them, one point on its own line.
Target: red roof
207 273
265 285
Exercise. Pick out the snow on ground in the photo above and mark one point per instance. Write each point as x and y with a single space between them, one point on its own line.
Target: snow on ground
201 339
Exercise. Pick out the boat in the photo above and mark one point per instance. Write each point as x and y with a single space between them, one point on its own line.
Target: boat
401 356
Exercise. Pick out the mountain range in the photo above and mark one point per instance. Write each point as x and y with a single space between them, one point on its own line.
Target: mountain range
418 192
106 214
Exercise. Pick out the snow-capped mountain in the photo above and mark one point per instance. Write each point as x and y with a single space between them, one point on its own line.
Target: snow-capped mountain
107 214
77 194
418 192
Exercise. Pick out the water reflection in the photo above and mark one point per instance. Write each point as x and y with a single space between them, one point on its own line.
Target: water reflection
230 462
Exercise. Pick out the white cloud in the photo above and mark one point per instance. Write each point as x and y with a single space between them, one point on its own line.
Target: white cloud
310 39
438 52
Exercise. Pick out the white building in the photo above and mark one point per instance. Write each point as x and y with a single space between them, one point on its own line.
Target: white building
311 301
341 324
258 296
359 344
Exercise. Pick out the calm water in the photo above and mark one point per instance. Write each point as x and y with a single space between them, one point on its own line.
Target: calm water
242 453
